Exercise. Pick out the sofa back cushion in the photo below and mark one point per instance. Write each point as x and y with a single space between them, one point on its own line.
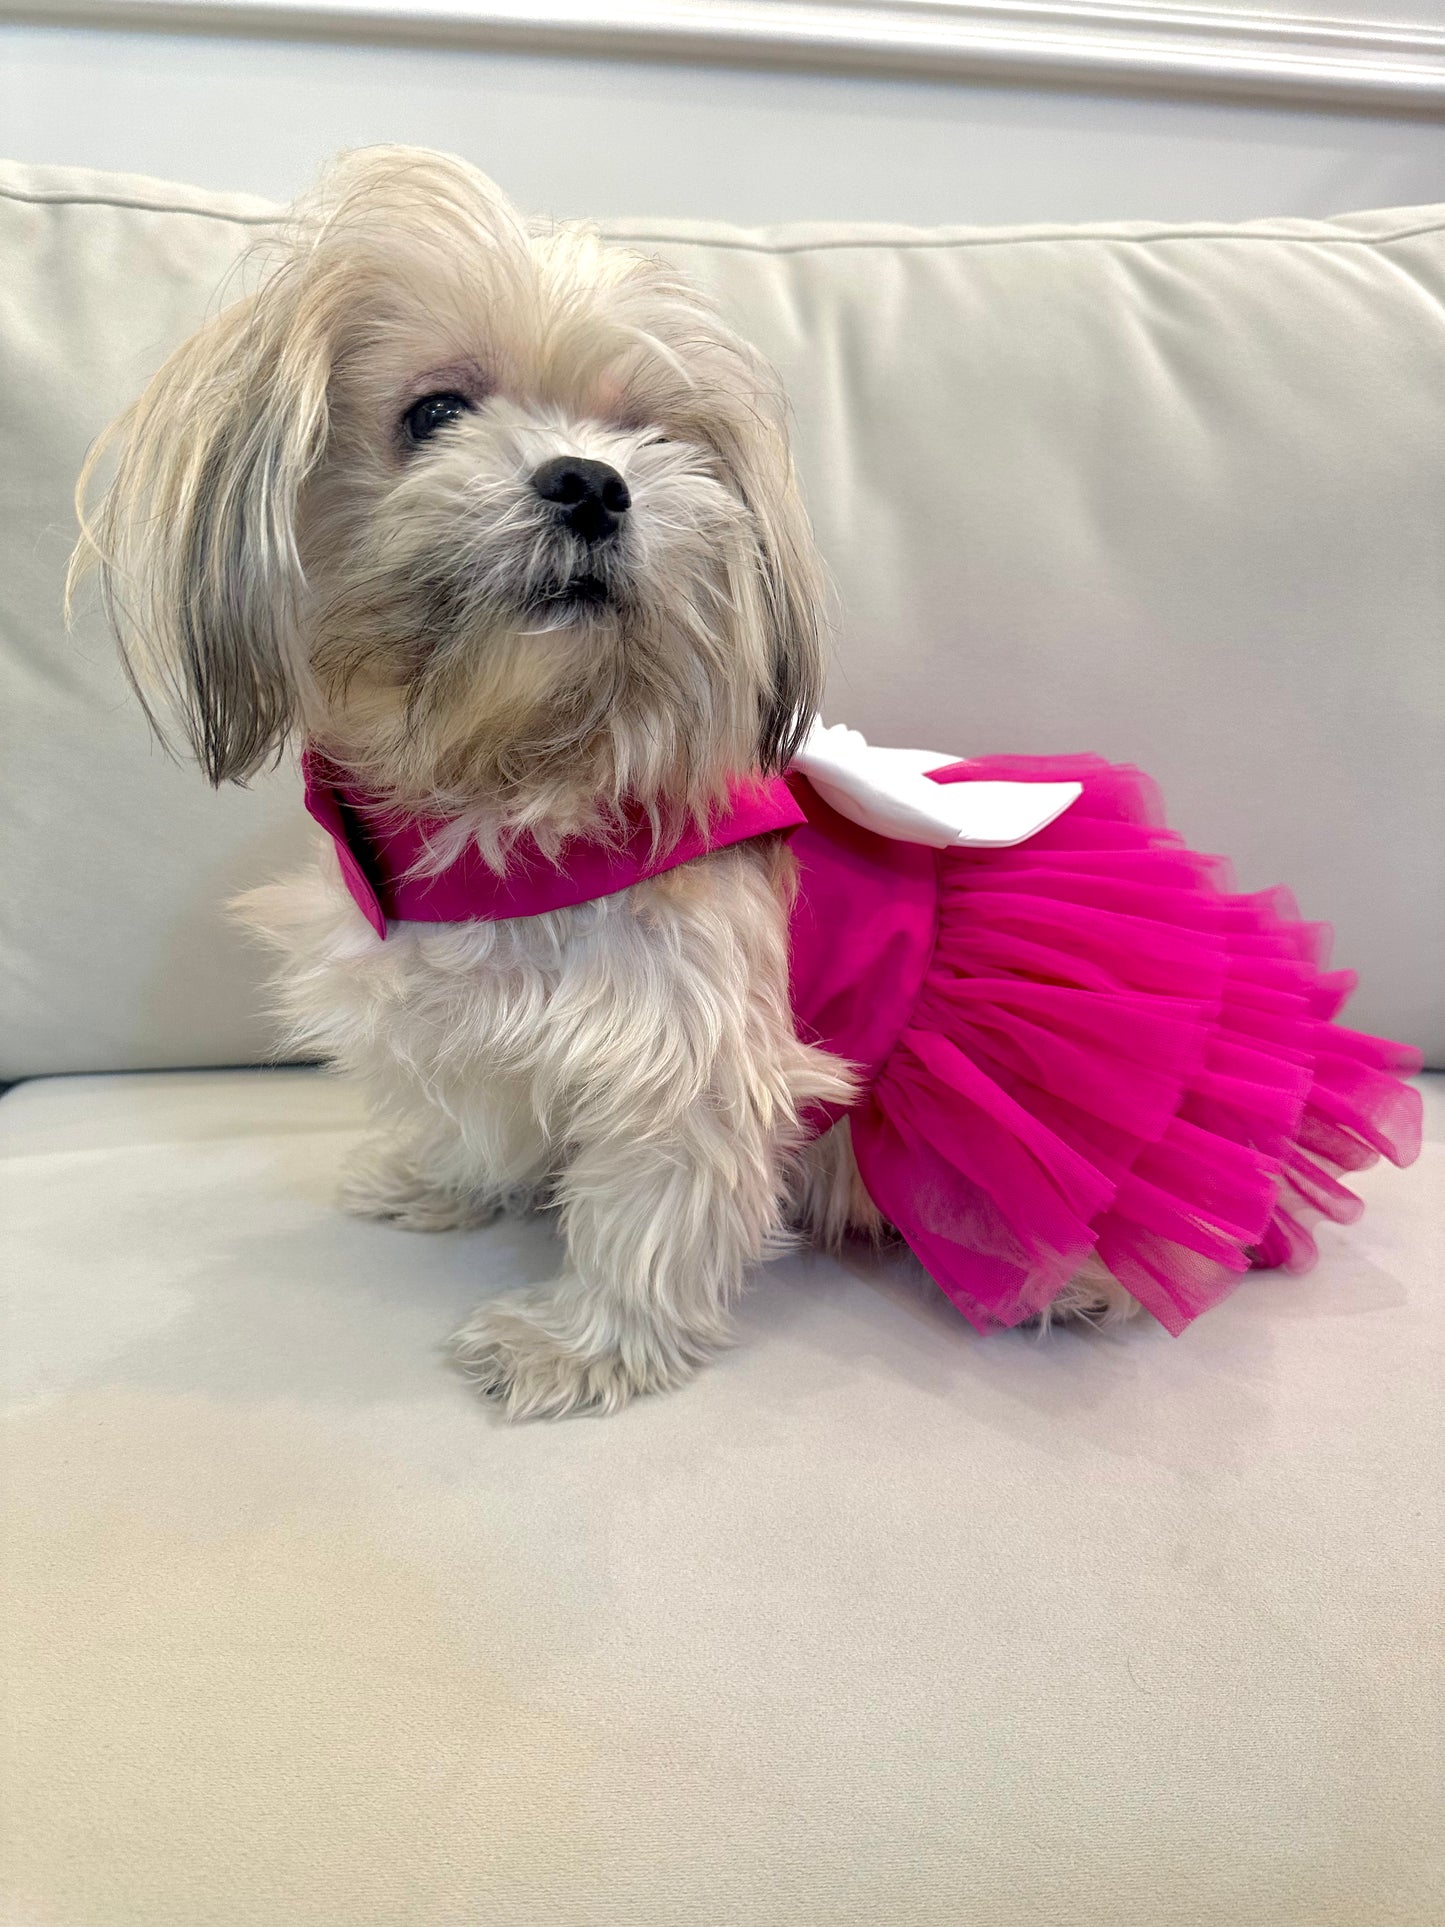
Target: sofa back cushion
1175 494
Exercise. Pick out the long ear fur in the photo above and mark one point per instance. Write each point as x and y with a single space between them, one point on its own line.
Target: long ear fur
721 392
195 539
793 593
738 406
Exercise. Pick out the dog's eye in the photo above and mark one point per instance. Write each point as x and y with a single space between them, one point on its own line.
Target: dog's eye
422 420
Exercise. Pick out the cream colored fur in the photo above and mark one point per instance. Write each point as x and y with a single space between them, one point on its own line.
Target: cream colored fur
284 555
631 1061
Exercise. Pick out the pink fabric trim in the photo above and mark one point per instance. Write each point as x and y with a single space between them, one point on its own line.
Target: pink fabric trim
380 853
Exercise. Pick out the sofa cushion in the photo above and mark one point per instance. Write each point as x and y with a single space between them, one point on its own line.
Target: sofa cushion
877 1621
1176 494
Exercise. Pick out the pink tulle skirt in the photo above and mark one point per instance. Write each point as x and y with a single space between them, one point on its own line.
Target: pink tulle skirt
1112 1055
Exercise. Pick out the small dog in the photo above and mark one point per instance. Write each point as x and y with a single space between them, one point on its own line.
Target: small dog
504 521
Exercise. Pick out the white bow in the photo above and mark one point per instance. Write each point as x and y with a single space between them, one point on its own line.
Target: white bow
888 791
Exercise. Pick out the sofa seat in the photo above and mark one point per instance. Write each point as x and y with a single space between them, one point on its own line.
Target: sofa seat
877 1621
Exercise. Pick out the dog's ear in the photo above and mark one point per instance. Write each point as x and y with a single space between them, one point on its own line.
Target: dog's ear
722 393
793 598
742 414
195 538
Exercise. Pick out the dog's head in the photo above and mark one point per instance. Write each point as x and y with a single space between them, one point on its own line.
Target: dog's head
503 517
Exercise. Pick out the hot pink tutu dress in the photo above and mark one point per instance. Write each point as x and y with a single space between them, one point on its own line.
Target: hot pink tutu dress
1085 1046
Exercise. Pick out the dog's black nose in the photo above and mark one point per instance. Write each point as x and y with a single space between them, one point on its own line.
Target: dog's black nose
591 497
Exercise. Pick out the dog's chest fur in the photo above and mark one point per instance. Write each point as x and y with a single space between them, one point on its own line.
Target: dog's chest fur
525 1035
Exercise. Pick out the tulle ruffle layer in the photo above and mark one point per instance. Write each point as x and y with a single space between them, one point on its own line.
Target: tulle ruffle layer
1114 1056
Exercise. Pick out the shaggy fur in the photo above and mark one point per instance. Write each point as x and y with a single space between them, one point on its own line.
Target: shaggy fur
283 554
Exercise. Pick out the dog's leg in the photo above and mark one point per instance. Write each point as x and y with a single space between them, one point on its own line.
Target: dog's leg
459 1138
830 1201
387 1178
683 1121
453 1166
1092 1297
395 1179
659 1239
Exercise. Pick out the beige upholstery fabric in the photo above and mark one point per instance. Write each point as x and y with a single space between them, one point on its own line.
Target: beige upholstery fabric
1177 495
876 1622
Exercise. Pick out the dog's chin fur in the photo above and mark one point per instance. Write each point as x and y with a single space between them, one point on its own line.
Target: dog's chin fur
282 557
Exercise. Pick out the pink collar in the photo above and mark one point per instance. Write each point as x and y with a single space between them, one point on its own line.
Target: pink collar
379 851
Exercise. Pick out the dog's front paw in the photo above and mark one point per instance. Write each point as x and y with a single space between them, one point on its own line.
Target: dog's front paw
382 1180
538 1356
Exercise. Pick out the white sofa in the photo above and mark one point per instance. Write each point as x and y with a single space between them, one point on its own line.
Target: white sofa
878 1621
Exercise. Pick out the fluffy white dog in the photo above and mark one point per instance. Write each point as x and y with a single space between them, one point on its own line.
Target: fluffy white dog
504 521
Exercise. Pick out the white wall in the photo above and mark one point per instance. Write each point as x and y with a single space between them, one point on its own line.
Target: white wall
625 137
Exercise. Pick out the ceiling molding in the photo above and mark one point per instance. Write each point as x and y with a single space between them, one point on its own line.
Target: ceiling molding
1201 51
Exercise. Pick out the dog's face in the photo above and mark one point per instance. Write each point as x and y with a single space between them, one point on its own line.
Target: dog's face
504 519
